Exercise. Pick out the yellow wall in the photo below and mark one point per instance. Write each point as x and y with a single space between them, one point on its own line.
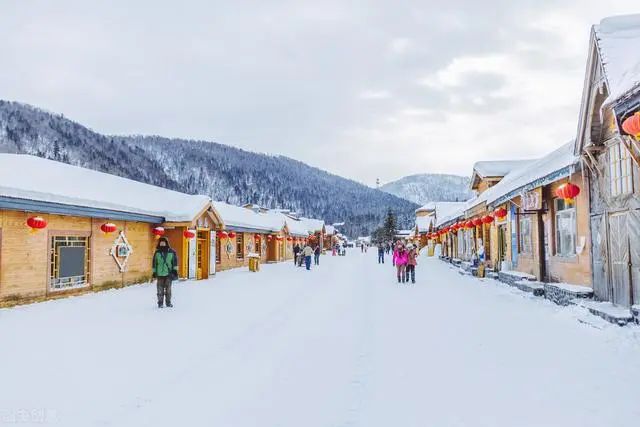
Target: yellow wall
24 256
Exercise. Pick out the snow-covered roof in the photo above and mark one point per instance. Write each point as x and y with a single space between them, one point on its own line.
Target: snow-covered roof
530 176
424 223
444 209
36 179
237 217
330 230
454 210
313 225
498 167
296 227
618 38
428 207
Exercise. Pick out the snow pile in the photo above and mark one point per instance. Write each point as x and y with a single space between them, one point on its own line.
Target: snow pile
618 39
33 178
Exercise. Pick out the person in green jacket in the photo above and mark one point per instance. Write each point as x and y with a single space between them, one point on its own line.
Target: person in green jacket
165 270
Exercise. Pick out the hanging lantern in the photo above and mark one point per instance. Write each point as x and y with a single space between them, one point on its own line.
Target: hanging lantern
446 229
487 219
567 192
232 235
469 225
477 221
222 234
36 223
269 238
189 234
158 231
500 213
108 228
631 125
256 236
289 239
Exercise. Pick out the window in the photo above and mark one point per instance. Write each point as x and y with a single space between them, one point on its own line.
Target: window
69 263
524 236
619 170
565 228
240 246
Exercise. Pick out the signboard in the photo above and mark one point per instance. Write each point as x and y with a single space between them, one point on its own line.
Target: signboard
532 200
212 253
192 258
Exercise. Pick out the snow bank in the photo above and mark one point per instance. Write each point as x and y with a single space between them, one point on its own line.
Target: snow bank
57 182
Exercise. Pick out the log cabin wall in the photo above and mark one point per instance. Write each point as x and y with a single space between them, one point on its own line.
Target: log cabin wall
25 256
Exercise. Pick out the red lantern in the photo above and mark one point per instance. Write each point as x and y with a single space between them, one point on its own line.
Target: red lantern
158 231
108 228
36 223
631 125
269 238
477 221
289 239
189 234
468 225
232 235
567 191
257 236
487 219
222 234
446 229
500 213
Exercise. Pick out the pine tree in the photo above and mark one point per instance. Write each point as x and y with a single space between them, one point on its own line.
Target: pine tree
389 228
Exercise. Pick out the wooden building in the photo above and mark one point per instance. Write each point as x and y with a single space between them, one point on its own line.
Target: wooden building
68 229
612 157
246 231
539 233
316 229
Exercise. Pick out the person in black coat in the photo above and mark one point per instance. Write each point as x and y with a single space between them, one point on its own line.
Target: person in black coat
296 251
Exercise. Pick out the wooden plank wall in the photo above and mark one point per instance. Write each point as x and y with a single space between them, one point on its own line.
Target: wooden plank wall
24 256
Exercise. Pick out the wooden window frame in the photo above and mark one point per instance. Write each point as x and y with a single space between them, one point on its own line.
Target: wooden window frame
572 212
620 170
521 236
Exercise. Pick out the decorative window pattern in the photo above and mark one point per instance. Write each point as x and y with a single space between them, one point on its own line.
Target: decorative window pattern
240 246
524 236
565 228
620 170
69 263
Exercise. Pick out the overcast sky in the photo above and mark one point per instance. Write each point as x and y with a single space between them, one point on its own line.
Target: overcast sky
361 88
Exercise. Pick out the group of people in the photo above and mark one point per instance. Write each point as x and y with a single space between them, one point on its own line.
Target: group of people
304 254
405 259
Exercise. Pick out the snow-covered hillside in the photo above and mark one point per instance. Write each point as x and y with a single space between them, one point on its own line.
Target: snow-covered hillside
430 187
200 167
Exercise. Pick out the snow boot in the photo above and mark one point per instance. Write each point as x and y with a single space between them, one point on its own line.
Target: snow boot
169 304
398 279
160 305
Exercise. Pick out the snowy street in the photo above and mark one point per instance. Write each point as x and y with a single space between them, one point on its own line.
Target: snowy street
341 345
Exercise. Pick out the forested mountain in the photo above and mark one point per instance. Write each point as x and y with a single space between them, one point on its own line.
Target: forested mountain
430 187
223 172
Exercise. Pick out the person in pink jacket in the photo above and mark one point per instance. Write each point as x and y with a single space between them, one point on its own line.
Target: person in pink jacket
400 259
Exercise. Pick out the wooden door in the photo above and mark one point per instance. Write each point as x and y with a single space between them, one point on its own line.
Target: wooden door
634 248
546 246
502 244
600 258
619 252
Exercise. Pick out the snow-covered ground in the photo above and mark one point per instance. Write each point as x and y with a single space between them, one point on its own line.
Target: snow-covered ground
342 345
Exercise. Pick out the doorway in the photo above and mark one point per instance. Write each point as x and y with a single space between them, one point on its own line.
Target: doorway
502 245
202 254
620 263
